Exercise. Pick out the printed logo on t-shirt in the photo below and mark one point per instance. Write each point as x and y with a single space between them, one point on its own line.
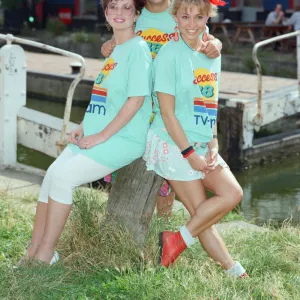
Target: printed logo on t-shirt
99 94
110 64
155 39
98 101
206 107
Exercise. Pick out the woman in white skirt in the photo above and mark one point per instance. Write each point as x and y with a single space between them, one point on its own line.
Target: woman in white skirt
182 144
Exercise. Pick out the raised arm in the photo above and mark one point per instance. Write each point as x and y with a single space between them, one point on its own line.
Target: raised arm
210 46
279 18
108 47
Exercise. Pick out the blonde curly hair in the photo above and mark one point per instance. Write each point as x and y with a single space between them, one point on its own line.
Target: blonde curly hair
205 7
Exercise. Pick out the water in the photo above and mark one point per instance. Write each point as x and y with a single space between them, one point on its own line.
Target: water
56 109
270 192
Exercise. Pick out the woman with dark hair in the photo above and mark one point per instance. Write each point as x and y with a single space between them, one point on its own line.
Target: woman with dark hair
112 134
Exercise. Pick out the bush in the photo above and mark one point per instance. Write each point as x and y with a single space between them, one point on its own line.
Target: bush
56 27
11 4
84 37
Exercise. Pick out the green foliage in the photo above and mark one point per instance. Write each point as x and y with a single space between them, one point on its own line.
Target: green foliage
84 37
55 27
250 66
11 4
14 233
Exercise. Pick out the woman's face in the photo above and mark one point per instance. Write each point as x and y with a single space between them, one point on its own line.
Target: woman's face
120 14
190 21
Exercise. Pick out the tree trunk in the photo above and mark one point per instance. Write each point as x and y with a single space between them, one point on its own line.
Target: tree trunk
133 197
231 127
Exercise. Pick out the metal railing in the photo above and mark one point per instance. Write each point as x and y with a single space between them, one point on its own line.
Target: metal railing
258 119
10 39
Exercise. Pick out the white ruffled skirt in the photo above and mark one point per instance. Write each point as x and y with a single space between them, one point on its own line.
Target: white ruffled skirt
167 161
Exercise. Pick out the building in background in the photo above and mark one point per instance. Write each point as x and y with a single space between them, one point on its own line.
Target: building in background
253 10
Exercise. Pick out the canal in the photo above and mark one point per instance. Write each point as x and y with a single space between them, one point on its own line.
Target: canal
271 192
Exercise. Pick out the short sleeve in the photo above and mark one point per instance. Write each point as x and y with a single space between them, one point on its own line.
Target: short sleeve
165 73
140 71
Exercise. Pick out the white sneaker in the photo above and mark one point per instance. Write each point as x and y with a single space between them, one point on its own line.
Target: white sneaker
236 271
54 259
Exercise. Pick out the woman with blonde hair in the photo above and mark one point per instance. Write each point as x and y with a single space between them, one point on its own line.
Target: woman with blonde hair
182 144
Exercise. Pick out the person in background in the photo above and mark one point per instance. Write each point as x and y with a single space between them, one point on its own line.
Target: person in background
294 20
276 17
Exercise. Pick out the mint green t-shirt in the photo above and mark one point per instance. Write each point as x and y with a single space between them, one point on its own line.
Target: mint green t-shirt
126 73
157 29
194 80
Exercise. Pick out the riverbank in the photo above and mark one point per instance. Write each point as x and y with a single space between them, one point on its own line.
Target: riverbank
103 263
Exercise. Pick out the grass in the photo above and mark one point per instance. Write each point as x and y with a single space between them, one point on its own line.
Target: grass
100 261
266 56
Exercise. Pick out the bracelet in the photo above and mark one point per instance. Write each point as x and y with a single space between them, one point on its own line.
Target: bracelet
187 152
215 136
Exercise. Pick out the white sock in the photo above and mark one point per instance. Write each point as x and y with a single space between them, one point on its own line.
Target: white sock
236 270
187 237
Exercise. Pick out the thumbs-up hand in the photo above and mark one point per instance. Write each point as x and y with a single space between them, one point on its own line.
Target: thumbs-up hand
204 43
210 46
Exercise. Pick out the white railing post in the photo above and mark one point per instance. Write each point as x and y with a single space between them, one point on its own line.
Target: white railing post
12 98
258 117
298 63
63 141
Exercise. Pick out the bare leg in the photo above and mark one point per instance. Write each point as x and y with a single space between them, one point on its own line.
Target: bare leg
41 209
37 235
38 229
75 171
192 194
228 194
57 215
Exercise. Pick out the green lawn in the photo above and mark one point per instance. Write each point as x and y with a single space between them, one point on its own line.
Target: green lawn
101 261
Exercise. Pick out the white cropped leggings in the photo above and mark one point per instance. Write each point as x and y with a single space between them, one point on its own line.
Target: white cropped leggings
67 172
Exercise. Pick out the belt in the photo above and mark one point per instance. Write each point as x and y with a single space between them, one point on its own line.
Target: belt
198 145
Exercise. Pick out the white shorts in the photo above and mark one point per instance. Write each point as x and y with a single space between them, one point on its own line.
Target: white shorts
167 161
67 172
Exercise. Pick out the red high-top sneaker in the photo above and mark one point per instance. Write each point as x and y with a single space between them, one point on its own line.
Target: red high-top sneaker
171 245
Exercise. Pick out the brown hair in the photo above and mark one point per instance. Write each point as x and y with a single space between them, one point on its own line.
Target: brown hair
205 7
138 4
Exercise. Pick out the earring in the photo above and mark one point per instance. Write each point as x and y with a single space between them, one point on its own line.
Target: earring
176 36
108 26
